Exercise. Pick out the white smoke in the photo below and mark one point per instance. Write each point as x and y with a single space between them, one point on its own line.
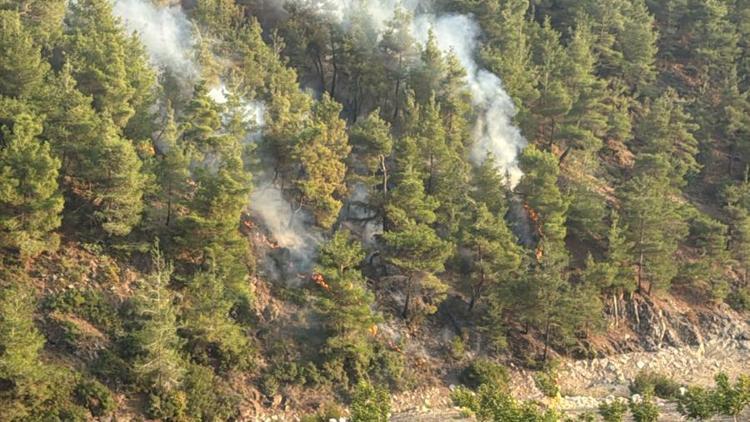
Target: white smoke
494 132
166 33
290 228
253 111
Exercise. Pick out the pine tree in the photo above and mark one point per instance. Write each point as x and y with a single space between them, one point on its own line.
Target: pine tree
20 340
321 153
414 247
160 365
172 170
654 225
71 125
737 206
372 144
43 18
104 60
30 200
22 70
494 254
208 325
202 123
398 53
346 304
666 128
111 181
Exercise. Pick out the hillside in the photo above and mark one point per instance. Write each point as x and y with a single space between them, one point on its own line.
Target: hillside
218 210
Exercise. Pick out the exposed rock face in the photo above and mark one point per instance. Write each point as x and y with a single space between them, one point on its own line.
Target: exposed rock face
659 324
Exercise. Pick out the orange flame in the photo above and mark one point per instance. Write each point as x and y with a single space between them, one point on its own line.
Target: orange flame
318 279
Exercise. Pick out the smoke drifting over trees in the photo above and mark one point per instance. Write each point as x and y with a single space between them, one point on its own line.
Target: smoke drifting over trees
209 205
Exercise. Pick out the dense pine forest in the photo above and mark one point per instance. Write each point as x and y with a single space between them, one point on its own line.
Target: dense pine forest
214 208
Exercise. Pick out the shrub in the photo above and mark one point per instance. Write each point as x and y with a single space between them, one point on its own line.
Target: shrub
498 405
370 403
484 371
465 399
739 300
731 400
208 399
663 386
108 366
644 409
95 397
613 411
546 380
91 305
167 405
697 403
327 411
458 348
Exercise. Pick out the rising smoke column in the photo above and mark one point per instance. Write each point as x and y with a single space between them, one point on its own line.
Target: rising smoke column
166 32
494 131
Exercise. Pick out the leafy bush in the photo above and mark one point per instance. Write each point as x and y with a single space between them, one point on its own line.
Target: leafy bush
613 411
663 386
208 399
546 380
484 371
465 398
327 411
644 409
697 403
95 397
457 348
112 368
731 400
498 405
91 305
167 405
370 403
739 300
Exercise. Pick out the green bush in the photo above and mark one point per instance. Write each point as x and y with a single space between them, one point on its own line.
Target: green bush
95 397
739 300
112 368
91 305
644 409
697 403
663 386
465 398
325 413
370 403
208 399
484 371
546 380
731 400
613 411
167 405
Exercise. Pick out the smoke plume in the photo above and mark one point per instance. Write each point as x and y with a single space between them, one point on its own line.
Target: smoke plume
290 229
494 132
166 33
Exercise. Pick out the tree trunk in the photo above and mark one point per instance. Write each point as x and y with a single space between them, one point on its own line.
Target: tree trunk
546 340
405 311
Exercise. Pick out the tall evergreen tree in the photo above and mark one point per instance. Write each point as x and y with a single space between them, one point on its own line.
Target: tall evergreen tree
321 153
346 305
22 70
655 226
414 247
159 365
30 200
